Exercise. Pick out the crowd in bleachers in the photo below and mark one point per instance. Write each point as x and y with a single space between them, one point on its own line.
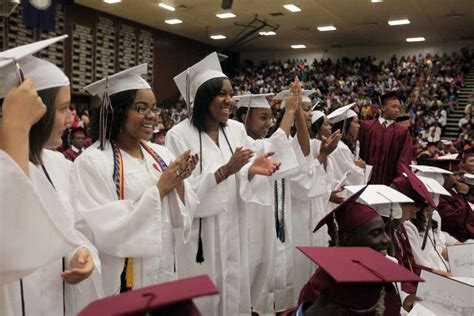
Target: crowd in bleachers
428 87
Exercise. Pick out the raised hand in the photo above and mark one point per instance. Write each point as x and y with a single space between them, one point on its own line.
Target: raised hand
329 144
294 98
82 266
22 107
264 166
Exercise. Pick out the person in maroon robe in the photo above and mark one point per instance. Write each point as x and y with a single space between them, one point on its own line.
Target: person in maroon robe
358 225
385 144
352 281
78 137
456 214
411 186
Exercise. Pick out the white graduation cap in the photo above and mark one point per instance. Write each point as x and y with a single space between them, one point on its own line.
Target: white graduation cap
434 187
128 79
189 81
342 113
257 101
448 157
316 115
18 61
381 198
282 94
431 172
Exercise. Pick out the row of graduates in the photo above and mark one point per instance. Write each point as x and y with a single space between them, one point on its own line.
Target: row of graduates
218 200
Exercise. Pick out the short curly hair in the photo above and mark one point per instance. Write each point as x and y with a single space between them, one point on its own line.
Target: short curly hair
121 102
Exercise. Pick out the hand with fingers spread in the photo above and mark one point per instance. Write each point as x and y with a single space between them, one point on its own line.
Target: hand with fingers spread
239 158
264 166
82 266
22 107
329 144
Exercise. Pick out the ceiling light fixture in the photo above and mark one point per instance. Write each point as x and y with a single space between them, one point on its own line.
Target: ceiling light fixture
415 39
225 15
298 46
269 33
292 8
376 1
218 37
166 6
398 22
112 1
326 28
173 21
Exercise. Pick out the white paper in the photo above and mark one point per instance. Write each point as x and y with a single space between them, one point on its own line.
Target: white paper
368 173
446 293
448 157
461 260
427 309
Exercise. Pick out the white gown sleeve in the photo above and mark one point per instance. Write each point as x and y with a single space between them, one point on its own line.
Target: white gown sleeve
121 228
312 181
32 218
342 160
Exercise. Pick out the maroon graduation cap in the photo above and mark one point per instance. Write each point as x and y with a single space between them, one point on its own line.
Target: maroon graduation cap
413 187
169 298
354 276
347 216
391 95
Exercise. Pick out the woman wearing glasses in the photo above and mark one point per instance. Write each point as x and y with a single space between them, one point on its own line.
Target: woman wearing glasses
132 193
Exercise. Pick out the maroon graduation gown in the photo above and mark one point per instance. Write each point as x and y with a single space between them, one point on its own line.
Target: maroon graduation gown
311 292
404 255
70 154
386 149
457 216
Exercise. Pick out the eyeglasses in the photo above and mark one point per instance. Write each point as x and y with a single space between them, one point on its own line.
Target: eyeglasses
144 109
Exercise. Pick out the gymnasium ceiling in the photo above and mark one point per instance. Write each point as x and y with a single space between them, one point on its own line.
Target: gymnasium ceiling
358 22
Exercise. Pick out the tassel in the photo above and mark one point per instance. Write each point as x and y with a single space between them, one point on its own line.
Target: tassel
200 252
106 110
129 273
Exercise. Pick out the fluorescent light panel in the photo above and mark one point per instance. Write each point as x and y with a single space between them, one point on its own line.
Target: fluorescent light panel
218 37
415 39
326 28
292 8
173 21
112 1
225 15
298 46
166 6
269 33
398 22
376 1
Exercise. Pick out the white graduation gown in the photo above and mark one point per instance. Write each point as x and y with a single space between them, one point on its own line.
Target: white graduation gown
270 263
224 218
310 194
431 256
140 226
43 288
342 160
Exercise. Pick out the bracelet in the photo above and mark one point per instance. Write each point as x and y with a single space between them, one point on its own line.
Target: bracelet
220 174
